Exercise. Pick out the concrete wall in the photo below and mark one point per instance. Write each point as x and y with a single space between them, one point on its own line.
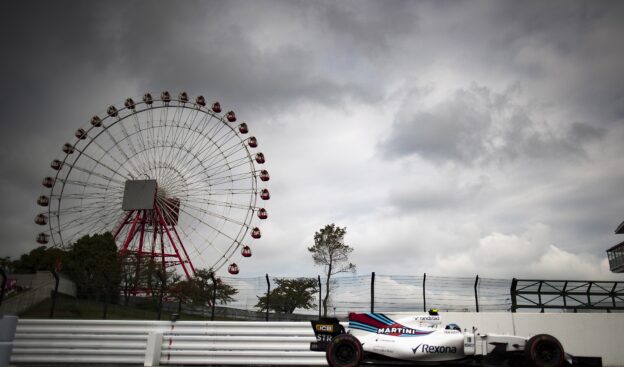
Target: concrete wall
37 287
583 334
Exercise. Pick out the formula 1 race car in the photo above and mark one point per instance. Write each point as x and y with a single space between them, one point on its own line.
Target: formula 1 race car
420 339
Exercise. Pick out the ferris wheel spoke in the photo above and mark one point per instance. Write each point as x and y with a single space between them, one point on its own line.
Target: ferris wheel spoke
217 215
224 150
182 126
115 172
138 132
226 172
221 203
215 171
190 232
105 152
81 183
230 179
126 139
198 158
211 151
113 139
190 132
200 220
95 207
212 137
225 191
86 222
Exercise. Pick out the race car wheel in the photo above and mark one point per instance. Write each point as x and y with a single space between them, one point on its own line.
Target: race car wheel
544 350
344 350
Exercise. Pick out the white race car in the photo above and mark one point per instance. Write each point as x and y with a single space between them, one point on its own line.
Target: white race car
420 339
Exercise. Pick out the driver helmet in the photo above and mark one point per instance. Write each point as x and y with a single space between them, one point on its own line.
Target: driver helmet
453 327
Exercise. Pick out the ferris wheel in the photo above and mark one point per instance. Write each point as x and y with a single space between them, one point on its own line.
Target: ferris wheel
174 180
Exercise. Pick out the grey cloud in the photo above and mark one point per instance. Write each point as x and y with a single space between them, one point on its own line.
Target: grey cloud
478 126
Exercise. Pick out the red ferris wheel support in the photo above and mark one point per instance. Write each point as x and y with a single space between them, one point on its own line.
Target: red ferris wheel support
148 231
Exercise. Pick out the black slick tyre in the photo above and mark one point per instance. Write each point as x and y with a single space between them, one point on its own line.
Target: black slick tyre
544 350
344 350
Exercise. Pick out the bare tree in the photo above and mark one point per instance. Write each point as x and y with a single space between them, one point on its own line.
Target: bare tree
330 251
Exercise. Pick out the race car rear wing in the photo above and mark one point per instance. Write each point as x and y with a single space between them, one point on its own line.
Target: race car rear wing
324 330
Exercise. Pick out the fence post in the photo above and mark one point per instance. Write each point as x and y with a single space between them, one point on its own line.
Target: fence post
163 279
214 295
424 298
153 349
106 295
268 296
4 282
373 292
320 296
476 294
514 284
56 280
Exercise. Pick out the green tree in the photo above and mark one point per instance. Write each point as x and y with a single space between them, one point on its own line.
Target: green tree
289 295
7 264
40 258
92 263
330 252
199 289
143 276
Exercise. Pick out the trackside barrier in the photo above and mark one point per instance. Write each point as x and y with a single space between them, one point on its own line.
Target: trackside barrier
152 343
265 343
7 334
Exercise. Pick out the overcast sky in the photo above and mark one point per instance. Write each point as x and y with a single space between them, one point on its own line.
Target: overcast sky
452 138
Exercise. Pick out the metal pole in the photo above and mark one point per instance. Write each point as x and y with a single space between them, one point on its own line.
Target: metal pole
268 296
106 286
4 282
162 293
512 291
423 291
475 290
539 294
214 295
373 292
320 295
56 280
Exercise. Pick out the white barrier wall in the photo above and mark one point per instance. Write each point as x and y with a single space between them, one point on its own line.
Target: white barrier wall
274 343
175 343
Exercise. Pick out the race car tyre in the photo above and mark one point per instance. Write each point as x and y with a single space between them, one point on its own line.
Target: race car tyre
544 350
344 350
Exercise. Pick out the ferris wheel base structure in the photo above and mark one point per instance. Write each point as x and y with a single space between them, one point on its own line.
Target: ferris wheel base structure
153 218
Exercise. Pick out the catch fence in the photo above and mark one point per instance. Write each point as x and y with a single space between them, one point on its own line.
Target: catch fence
389 293
359 293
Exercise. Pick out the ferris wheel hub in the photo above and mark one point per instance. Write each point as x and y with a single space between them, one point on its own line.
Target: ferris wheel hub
139 195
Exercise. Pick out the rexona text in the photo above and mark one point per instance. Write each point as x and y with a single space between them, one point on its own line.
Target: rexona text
426 348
